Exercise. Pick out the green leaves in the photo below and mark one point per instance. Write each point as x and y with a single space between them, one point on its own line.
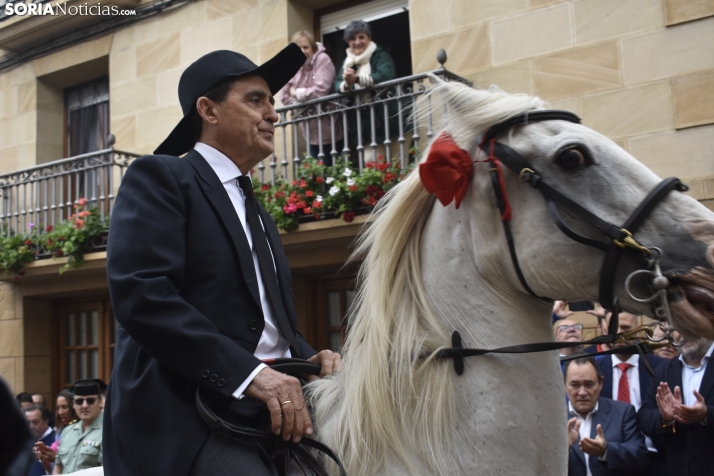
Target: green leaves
71 238
75 237
16 251
322 192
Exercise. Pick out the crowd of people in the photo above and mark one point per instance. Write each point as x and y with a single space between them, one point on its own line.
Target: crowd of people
70 439
366 64
622 420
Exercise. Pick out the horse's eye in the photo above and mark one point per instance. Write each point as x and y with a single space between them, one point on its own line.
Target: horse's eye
570 159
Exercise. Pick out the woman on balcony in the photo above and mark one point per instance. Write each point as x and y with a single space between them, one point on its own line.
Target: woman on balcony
367 64
314 80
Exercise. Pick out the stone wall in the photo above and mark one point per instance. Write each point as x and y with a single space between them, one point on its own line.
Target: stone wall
12 348
639 71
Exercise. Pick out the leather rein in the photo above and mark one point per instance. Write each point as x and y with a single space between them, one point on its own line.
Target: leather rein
306 462
618 239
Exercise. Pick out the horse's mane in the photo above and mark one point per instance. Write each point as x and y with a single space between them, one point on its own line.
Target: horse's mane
387 399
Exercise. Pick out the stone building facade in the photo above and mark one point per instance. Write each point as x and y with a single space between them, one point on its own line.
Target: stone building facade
639 71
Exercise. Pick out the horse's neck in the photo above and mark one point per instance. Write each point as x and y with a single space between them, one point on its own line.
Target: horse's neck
517 397
466 277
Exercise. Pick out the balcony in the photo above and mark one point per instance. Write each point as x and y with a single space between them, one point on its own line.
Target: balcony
388 118
385 120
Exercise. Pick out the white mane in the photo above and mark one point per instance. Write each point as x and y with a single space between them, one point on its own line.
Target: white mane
388 401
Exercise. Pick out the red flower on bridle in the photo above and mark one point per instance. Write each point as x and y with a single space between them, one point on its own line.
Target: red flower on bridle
447 171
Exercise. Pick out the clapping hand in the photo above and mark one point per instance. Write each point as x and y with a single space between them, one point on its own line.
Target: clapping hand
666 401
691 414
594 447
573 430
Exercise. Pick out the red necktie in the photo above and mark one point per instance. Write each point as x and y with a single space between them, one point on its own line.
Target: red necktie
623 388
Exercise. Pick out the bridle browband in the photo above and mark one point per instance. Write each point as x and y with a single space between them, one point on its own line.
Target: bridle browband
619 238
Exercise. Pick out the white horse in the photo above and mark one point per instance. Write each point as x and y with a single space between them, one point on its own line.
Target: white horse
431 269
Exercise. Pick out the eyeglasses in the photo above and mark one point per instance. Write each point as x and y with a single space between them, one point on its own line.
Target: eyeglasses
80 401
565 327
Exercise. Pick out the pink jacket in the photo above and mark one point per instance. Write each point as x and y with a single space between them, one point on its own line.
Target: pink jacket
314 80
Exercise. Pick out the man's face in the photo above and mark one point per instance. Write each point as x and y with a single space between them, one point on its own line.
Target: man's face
37 424
626 322
693 351
245 120
568 331
669 351
583 387
39 399
86 411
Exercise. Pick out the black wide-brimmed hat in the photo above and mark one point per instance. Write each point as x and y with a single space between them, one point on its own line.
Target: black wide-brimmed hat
88 386
209 70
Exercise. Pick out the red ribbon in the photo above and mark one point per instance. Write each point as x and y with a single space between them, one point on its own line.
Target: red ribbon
447 171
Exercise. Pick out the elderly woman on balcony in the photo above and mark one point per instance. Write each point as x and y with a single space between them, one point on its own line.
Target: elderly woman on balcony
366 65
314 80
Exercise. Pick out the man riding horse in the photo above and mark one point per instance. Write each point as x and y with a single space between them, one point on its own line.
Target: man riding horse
201 287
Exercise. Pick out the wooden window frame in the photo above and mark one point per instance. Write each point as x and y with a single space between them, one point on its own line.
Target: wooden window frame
105 346
321 328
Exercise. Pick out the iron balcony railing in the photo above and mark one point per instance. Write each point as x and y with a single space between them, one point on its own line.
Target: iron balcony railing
31 199
386 120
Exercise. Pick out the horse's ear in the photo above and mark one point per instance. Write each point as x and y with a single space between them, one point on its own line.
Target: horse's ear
495 89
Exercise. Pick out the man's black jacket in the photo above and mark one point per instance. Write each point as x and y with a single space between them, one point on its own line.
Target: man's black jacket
689 449
185 293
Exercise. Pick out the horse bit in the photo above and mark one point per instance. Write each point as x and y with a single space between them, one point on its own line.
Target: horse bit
619 238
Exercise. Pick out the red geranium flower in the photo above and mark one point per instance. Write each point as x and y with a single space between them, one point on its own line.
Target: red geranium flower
319 179
49 228
309 193
348 216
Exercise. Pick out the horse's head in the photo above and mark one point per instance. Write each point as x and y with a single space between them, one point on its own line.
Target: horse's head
592 171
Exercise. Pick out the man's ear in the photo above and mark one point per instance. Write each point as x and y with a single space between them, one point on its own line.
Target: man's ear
207 110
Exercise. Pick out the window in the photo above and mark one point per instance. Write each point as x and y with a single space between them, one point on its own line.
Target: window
87 336
389 20
334 299
87 107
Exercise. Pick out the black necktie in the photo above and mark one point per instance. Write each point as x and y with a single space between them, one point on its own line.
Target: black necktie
265 261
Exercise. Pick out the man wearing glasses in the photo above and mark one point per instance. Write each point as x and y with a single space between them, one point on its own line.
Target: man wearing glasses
568 331
81 445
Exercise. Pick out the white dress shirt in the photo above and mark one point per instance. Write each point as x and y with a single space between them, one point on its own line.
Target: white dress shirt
585 427
633 379
271 344
692 377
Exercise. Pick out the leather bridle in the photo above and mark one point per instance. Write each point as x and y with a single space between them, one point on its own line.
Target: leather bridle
618 238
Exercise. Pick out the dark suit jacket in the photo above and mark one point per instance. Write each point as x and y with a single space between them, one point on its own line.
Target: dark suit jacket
185 293
626 450
605 362
690 449
37 469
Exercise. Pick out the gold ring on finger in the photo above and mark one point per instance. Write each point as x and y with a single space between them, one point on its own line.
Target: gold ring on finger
286 402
